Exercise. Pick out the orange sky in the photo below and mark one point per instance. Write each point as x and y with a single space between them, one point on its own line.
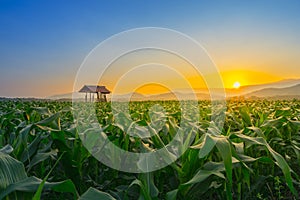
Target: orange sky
138 70
247 77
43 46
244 77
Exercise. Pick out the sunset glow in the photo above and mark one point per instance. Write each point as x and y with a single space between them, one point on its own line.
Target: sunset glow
247 44
247 77
236 85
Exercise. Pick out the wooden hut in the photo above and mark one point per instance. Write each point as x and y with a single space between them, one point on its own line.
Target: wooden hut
101 92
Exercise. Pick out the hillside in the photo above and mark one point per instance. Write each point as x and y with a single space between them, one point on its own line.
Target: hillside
282 89
273 92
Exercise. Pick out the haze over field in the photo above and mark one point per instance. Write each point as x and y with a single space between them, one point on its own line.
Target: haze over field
285 89
43 43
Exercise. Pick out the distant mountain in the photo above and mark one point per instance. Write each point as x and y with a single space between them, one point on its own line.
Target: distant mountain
164 96
273 92
77 95
133 96
279 84
22 99
243 90
288 87
140 97
178 96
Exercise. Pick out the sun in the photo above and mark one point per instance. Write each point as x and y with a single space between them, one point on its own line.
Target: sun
236 85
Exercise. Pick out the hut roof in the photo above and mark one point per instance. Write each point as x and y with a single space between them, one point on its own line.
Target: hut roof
94 89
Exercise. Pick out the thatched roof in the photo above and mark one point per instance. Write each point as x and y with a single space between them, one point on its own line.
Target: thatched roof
94 89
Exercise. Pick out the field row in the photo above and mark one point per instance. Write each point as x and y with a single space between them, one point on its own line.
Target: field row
51 150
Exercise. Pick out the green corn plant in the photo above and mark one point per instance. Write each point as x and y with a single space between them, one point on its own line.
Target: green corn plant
260 140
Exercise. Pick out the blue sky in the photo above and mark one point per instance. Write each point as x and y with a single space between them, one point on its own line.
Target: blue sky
42 43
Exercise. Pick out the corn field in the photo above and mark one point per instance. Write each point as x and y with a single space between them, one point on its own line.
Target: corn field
256 154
